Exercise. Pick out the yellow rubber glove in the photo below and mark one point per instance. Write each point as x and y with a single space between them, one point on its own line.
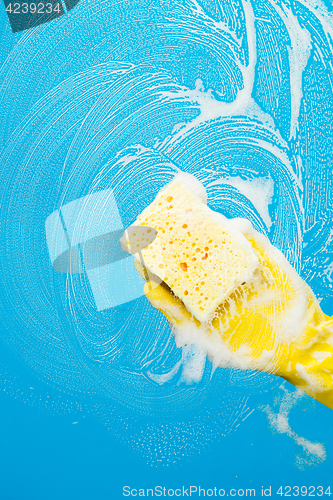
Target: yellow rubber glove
273 324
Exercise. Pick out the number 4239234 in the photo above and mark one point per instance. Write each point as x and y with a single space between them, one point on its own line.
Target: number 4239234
33 8
303 491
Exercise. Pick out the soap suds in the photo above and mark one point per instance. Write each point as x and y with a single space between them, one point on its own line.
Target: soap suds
313 384
299 53
191 365
259 191
193 361
313 453
244 104
321 355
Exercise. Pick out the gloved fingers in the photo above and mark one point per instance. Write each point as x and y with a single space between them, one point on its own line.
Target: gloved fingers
161 297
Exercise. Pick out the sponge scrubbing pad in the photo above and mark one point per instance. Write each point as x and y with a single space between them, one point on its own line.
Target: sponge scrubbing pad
197 252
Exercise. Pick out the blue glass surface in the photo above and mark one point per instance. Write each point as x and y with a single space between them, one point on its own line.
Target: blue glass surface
114 97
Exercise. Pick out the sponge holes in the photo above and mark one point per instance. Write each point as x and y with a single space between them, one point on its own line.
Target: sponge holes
136 238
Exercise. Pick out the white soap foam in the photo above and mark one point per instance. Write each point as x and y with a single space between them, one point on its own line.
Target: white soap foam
328 272
219 25
210 108
218 353
320 356
313 384
192 184
299 53
243 104
325 18
259 191
163 378
313 452
193 361
192 366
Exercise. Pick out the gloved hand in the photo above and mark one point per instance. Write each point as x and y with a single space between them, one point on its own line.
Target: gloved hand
273 324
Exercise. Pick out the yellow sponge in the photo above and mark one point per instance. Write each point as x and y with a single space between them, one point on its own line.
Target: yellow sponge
197 252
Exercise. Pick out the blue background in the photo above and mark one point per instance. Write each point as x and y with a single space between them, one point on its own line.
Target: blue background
94 100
